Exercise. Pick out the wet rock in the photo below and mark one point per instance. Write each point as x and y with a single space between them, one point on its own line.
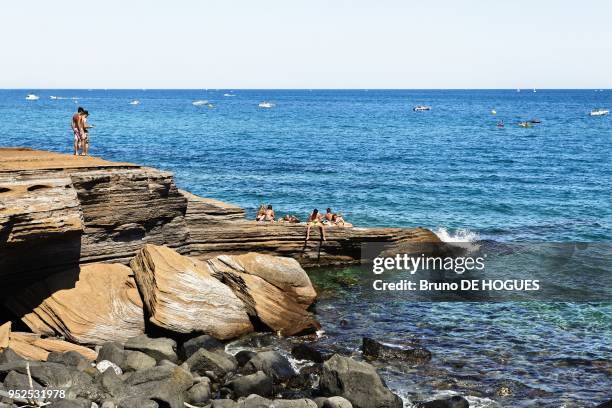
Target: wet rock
158 348
244 356
310 352
112 352
307 378
455 401
373 350
204 341
258 383
337 402
137 360
204 305
607 404
217 362
358 382
70 359
273 364
199 393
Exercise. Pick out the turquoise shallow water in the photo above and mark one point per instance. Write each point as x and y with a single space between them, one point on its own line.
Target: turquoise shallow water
366 153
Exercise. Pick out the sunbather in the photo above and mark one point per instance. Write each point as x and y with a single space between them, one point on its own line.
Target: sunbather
315 220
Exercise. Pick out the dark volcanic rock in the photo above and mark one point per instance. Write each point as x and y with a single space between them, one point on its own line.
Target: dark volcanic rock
452 402
273 363
199 393
374 350
159 348
137 360
244 356
166 384
220 363
204 341
258 383
9 356
358 382
70 359
310 352
112 352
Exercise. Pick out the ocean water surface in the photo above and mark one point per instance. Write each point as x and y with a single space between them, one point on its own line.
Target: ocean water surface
367 154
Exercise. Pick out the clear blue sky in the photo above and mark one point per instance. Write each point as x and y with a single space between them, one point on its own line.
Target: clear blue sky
306 44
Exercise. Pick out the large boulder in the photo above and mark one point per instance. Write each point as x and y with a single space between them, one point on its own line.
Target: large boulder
273 364
220 363
160 348
358 382
258 383
72 304
275 289
181 295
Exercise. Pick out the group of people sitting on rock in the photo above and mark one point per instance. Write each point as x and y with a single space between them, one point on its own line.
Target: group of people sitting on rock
315 219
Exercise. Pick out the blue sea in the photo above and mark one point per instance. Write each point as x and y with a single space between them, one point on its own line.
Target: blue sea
367 154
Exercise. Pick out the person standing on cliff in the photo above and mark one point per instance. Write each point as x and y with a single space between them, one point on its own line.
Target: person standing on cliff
78 129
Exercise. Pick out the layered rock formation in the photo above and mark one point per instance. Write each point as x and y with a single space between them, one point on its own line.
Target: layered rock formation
181 295
276 290
89 305
69 210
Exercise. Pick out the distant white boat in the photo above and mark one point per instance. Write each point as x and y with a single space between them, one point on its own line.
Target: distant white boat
32 97
135 102
228 94
534 90
199 102
493 112
53 97
599 112
266 105
421 108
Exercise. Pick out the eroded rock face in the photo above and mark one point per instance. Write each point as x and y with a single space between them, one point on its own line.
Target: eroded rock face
181 295
275 289
73 305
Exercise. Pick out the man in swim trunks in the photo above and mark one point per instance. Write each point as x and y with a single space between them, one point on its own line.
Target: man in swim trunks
78 129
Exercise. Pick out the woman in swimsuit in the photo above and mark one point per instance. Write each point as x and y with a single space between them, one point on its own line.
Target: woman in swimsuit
269 216
261 213
315 220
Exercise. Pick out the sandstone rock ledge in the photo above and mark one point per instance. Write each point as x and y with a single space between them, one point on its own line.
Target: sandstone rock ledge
74 210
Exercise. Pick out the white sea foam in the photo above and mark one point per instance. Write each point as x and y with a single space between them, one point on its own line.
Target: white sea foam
461 237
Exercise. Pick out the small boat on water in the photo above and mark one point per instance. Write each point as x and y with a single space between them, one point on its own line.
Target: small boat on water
199 102
599 112
32 97
53 97
266 105
135 102
535 121
524 124
421 108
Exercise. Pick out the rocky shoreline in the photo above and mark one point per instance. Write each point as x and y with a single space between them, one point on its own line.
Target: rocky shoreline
124 289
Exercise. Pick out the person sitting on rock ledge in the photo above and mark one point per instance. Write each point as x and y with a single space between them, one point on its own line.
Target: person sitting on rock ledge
315 220
261 213
290 218
338 220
